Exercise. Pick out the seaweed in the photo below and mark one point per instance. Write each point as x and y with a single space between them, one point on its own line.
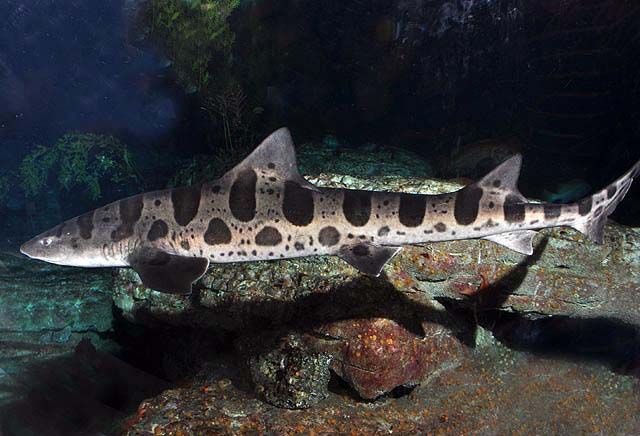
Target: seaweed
196 37
78 160
238 125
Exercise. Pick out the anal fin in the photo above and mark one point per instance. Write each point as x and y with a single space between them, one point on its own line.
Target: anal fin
368 258
520 241
166 272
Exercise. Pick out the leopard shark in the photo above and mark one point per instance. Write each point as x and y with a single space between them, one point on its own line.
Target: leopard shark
264 209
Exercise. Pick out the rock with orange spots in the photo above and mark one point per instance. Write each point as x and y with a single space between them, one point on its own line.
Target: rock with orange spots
377 355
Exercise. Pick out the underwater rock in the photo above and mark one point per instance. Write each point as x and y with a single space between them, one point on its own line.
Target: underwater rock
479 158
520 388
45 310
377 355
291 375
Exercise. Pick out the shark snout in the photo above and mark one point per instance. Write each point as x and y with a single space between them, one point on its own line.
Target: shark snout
27 248
39 247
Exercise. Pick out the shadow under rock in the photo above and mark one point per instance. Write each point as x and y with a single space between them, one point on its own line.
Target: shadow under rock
178 346
361 298
87 392
612 342
266 322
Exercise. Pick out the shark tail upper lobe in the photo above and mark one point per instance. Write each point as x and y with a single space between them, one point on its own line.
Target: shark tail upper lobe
595 209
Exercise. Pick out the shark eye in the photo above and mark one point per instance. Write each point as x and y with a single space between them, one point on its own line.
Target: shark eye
46 241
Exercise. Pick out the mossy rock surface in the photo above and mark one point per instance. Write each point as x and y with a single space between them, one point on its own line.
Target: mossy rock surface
314 158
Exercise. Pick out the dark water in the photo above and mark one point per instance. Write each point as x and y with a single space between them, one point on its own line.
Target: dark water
557 83
462 84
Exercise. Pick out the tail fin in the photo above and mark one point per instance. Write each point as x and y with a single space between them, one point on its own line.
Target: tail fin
595 209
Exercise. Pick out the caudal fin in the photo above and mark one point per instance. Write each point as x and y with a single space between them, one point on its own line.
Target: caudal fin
595 209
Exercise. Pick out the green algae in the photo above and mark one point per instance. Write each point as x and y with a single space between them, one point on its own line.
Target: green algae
196 37
81 161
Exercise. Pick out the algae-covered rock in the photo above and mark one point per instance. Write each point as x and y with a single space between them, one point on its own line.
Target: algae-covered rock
290 373
377 355
493 392
45 310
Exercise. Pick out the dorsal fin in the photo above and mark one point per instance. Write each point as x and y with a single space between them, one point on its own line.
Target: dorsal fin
275 155
505 178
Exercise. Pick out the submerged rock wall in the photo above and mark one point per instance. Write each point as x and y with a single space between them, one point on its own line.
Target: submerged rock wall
45 310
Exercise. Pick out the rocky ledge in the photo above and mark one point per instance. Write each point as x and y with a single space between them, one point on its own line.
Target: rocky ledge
301 325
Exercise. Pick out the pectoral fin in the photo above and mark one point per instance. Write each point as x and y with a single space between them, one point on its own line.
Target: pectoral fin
520 241
368 258
168 273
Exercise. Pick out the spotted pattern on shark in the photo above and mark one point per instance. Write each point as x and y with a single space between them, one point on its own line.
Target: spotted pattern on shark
356 206
268 236
412 209
242 195
130 210
552 211
186 202
329 236
264 209
159 229
584 206
467 205
217 232
514 209
85 224
298 205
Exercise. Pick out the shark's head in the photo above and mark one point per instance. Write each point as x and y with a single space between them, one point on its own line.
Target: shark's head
67 244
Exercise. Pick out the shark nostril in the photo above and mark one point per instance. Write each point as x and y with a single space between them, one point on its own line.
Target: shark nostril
45 242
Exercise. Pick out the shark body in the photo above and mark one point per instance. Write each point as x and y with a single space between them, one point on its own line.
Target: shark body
264 209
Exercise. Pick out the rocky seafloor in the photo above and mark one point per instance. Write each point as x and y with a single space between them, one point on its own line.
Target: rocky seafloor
462 336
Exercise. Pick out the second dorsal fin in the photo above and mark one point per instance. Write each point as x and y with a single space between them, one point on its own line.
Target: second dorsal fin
504 177
275 155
